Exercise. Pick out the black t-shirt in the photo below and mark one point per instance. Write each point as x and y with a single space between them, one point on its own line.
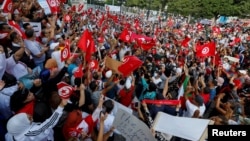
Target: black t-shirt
75 101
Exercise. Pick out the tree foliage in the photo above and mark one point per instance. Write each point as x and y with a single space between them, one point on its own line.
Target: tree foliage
210 8
197 8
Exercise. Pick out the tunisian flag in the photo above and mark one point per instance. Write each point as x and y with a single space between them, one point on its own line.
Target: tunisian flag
129 64
7 6
64 90
65 53
79 72
125 36
145 45
87 44
17 28
54 6
205 50
185 42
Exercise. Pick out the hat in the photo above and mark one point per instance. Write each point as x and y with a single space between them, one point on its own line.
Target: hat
44 75
199 100
50 63
178 70
108 74
18 124
243 72
54 45
220 81
128 84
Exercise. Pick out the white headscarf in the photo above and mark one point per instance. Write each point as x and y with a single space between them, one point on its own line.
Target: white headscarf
18 124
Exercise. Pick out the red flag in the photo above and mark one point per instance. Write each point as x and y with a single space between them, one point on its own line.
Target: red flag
17 28
216 29
125 36
199 26
85 40
101 21
67 18
73 8
80 7
65 53
7 6
54 6
94 65
90 50
64 90
205 50
130 63
145 45
184 43
79 72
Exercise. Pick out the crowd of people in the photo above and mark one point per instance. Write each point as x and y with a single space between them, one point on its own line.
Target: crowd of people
31 108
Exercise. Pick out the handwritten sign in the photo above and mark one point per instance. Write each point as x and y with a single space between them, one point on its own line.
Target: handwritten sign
44 4
131 127
188 128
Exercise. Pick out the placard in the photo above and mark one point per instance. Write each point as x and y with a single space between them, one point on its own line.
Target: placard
188 128
131 127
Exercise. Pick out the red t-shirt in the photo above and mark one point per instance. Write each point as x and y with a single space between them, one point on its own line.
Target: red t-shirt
126 96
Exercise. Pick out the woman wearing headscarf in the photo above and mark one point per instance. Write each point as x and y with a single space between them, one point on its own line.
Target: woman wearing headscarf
22 128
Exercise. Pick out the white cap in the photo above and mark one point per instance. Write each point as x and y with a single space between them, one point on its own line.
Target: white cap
243 72
178 70
128 84
54 45
108 74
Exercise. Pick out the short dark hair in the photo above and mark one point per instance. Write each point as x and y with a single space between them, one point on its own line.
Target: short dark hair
13 36
79 80
109 105
25 25
93 86
29 33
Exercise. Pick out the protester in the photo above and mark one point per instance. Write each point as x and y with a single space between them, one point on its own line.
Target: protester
123 57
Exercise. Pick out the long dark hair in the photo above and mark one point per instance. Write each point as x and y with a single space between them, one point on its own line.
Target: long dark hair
17 99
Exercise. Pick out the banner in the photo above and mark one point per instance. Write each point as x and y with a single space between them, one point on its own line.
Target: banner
162 102
194 129
112 8
131 127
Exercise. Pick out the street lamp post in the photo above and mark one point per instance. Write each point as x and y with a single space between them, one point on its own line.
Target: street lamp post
149 7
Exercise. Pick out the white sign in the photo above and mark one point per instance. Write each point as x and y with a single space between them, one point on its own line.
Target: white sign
37 27
131 127
112 8
45 6
188 128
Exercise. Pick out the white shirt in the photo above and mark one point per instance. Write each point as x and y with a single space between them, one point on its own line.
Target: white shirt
17 69
108 123
191 108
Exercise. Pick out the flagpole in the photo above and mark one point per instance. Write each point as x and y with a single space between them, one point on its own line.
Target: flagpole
73 52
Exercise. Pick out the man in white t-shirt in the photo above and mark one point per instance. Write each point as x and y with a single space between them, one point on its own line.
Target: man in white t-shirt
108 106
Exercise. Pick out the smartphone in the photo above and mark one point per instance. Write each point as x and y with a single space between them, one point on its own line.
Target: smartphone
136 104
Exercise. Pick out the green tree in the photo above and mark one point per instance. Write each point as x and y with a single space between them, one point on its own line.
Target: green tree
210 8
